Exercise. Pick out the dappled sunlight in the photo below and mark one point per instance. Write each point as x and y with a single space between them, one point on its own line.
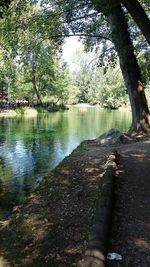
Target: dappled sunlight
131 225
142 156
73 203
55 223
73 250
119 171
4 223
66 183
4 262
30 230
64 172
92 170
137 156
141 243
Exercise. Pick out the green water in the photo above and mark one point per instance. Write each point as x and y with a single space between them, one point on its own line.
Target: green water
31 147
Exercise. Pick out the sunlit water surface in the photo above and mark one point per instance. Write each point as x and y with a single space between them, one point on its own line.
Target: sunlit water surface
31 147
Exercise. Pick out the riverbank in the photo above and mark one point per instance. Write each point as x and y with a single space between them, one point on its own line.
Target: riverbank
54 225
30 111
9 113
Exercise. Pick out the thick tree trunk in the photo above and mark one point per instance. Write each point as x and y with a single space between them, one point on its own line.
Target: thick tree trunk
139 16
130 69
129 66
128 63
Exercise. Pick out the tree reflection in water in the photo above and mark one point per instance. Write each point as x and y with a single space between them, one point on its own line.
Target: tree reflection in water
31 147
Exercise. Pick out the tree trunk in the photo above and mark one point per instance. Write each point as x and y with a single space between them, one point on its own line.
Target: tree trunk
36 90
128 63
139 16
129 67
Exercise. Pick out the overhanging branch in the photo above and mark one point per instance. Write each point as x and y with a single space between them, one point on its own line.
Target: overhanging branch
83 17
82 35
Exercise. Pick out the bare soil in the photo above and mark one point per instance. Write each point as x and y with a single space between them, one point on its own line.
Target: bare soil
131 218
52 228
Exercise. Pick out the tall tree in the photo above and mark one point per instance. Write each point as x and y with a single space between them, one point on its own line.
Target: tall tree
118 26
129 66
130 69
32 37
91 18
137 12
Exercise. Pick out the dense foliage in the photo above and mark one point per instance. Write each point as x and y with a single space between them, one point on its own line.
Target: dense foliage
97 85
30 63
31 68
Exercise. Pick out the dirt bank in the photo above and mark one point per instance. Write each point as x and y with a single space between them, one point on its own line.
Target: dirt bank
53 228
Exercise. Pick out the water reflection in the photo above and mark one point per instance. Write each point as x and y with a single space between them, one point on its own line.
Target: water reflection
29 148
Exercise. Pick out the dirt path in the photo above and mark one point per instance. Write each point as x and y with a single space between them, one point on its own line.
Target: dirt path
131 220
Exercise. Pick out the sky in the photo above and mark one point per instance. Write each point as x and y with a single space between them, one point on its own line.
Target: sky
70 46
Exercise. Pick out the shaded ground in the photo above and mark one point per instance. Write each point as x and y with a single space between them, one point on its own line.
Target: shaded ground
131 220
52 228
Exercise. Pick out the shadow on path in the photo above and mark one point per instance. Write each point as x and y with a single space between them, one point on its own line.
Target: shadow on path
131 220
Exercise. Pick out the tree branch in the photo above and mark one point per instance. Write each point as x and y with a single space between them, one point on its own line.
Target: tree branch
139 16
82 35
84 16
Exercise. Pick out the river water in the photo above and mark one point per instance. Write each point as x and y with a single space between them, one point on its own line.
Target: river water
31 147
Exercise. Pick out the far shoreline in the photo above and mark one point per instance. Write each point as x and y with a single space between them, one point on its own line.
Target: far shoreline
6 113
